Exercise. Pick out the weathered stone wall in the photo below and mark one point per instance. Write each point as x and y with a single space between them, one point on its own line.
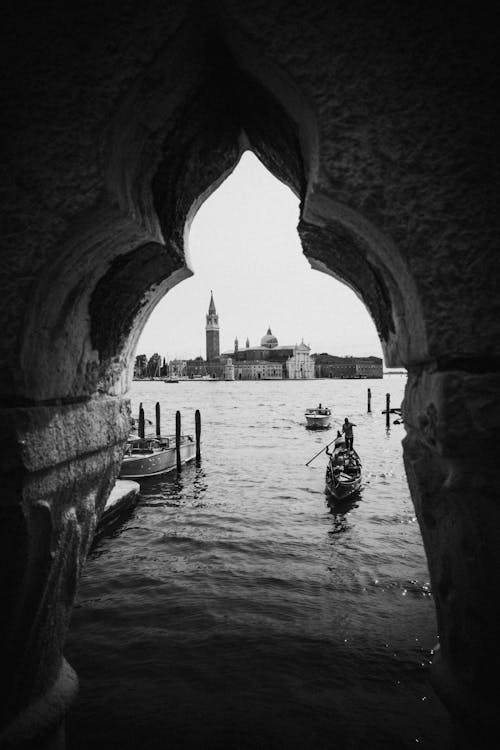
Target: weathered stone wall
119 119
118 123
451 460
59 464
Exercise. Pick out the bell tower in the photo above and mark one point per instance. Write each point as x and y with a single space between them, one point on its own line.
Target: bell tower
212 331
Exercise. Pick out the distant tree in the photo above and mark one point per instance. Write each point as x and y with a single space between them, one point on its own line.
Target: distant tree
154 366
140 367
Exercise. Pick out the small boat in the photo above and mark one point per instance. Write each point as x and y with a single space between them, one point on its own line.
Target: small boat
343 473
150 456
318 418
170 380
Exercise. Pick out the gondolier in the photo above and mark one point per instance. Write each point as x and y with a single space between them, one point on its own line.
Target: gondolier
347 430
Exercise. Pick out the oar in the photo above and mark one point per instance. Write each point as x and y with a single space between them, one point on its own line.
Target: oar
321 451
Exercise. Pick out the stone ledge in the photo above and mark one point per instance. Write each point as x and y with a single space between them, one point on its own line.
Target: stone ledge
122 499
37 438
123 491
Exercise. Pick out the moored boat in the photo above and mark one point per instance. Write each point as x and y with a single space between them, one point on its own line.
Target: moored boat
150 456
343 473
318 418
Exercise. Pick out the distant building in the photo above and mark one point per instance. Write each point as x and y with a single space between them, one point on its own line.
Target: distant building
196 368
270 361
212 332
330 366
177 368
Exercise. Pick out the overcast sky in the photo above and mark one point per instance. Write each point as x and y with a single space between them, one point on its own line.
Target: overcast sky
244 245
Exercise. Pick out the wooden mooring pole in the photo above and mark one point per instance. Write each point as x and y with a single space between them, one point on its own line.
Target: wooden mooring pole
369 400
387 410
141 425
197 419
178 439
158 419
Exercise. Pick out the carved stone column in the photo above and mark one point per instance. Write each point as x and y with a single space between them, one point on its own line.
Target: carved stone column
452 460
59 465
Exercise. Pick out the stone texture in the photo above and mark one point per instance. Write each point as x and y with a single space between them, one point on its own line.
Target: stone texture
383 121
60 463
451 458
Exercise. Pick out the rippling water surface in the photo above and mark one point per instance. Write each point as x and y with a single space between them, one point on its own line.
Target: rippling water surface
236 608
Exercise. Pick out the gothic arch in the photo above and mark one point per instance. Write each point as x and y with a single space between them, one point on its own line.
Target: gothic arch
126 253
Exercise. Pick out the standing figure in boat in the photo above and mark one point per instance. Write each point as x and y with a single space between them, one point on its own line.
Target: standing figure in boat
348 434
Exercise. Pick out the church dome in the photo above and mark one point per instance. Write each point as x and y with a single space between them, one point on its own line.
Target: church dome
269 340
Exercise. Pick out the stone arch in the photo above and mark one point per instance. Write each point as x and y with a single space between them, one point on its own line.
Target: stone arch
206 147
125 254
364 116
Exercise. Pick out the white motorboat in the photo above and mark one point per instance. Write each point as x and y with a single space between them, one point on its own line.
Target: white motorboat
343 473
318 418
150 456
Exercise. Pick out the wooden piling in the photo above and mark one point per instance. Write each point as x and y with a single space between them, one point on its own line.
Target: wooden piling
178 439
369 400
197 419
158 419
387 410
141 425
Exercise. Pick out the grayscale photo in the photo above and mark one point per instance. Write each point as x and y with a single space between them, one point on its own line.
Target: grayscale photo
250 304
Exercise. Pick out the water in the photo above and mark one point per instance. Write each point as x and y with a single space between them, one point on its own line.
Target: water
236 608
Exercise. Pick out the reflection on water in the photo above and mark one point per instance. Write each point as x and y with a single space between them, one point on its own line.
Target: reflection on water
340 510
174 489
238 607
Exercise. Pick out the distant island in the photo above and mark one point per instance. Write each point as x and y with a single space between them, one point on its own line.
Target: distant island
267 361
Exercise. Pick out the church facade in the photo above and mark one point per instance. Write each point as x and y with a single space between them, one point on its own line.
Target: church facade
268 361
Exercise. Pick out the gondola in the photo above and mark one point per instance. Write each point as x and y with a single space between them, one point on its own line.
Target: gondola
343 473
